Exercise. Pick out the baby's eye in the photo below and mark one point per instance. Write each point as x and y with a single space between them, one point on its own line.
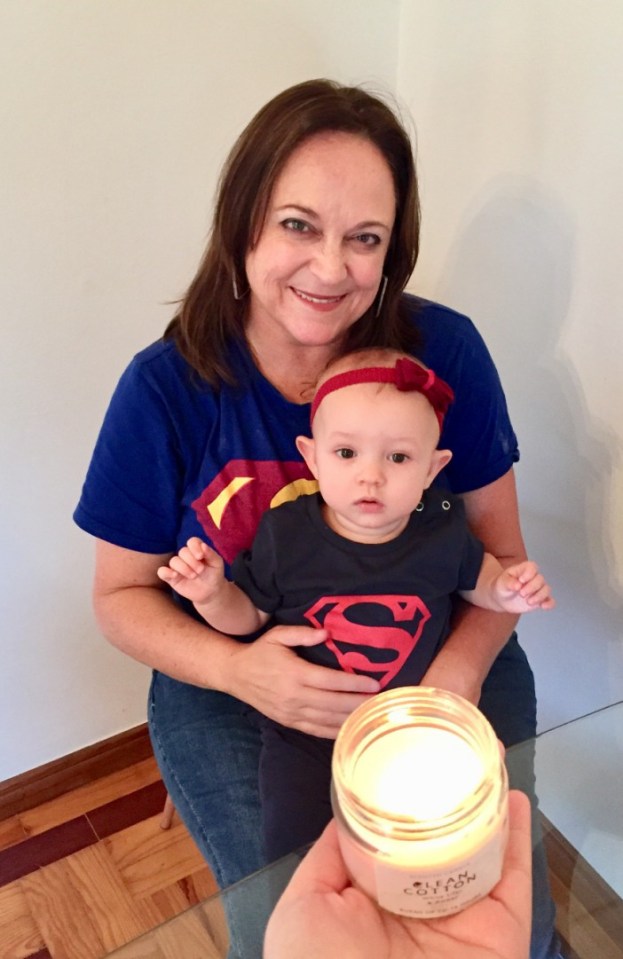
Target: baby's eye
296 226
345 453
398 457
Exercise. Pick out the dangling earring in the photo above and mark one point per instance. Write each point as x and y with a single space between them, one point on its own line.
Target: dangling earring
382 288
237 294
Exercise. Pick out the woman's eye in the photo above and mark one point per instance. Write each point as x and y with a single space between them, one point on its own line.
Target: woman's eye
398 457
368 239
345 453
296 226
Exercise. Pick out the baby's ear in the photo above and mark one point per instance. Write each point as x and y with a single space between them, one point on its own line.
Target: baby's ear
307 448
439 460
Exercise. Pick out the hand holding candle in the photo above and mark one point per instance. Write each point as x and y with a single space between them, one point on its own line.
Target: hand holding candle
322 916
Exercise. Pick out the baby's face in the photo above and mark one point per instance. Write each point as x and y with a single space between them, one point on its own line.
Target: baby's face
375 453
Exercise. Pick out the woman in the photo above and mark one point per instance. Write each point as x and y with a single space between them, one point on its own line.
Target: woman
314 238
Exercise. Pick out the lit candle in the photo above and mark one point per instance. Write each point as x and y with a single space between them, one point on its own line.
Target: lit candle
419 794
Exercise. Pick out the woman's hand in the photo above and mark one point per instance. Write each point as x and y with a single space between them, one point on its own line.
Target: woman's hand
268 675
322 916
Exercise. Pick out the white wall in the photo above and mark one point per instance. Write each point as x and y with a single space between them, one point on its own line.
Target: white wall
115 118
518 114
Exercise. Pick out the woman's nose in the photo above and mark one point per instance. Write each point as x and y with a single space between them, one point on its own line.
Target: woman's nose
329 263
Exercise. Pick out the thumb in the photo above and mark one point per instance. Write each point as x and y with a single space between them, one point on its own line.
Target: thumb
297 636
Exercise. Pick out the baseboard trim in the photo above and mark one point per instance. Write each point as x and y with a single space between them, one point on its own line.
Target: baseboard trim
36 786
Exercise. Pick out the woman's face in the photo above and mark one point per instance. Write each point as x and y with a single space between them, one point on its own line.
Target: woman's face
318 262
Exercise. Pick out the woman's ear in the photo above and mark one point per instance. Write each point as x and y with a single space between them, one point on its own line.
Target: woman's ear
438 461
306 447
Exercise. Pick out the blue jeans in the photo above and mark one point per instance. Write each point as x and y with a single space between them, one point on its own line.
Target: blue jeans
207 746
508 700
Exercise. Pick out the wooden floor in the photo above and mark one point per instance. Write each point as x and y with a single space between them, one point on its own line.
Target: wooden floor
85 873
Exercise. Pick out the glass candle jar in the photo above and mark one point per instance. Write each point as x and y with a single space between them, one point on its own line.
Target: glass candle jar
420 795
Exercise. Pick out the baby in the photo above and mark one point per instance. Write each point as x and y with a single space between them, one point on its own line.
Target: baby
375 558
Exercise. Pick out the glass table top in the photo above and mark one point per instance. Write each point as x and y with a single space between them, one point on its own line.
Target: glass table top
579 768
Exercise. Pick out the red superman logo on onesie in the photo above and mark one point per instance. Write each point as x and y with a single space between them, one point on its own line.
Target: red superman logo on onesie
230 508
397 624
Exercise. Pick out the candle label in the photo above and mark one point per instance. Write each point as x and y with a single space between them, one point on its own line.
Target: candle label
441 892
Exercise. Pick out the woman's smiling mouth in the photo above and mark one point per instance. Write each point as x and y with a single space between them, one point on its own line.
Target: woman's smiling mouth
317 300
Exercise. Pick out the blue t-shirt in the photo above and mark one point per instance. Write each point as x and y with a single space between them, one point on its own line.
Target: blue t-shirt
176 458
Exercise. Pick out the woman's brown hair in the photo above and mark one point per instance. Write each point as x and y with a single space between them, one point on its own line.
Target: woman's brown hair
210 314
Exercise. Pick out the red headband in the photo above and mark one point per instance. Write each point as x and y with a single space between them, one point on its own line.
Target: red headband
406 376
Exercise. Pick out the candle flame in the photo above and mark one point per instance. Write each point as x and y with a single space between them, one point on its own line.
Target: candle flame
420 773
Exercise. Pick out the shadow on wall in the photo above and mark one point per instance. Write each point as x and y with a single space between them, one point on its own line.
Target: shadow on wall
512 268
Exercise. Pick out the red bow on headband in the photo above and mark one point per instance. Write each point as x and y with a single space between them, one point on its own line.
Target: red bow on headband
406 376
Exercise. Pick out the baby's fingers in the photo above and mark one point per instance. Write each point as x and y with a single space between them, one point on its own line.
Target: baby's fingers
196 548
538 593
525 572
167 575
529 587
549 603
185 564
202 553
542 598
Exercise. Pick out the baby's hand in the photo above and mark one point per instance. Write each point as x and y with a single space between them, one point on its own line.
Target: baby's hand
522 588
196 572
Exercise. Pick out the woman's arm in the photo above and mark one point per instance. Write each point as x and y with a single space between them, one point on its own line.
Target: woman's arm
137 615
478 635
